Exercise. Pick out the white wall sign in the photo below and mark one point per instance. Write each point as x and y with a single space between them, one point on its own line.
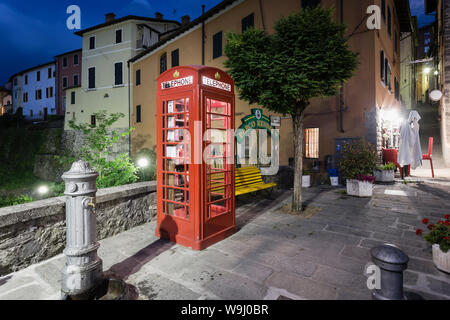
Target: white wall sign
275 121
177 83
216 84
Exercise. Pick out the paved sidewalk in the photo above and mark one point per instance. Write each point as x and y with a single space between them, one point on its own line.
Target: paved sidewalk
273 255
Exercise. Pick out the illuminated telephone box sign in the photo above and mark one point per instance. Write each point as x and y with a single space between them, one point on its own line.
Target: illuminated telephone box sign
195 167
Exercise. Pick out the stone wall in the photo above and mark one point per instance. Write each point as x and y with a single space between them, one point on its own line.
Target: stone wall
36 231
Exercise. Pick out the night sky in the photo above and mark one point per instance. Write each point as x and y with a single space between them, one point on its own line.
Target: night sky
33 32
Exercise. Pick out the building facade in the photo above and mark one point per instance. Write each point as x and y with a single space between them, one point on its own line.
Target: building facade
105 82
38 91
68 75
16 93
5 99
355 113
408 67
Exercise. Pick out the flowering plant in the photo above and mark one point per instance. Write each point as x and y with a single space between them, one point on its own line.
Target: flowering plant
364 178
439 233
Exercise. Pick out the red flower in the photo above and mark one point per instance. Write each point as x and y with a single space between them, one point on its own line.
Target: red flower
430 226
447 217
419 232
425 220
447 238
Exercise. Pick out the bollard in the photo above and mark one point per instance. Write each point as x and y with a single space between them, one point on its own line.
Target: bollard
392 262
82 273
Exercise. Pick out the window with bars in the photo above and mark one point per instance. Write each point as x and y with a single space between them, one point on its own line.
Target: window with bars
312 143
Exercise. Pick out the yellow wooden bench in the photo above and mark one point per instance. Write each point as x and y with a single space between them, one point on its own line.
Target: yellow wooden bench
246 180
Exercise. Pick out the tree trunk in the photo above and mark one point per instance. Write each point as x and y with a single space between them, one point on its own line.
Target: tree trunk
297 120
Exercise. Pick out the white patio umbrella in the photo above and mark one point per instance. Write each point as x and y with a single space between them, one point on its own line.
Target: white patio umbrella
410 152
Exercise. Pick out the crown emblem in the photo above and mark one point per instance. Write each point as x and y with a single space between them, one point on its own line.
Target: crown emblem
217 76
176 74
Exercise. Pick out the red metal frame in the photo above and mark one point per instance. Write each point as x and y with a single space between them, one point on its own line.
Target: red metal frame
195 201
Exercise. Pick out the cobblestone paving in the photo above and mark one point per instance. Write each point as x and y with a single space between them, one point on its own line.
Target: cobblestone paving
273 255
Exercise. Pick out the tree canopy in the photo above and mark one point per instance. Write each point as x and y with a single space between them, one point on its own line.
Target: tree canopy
307 56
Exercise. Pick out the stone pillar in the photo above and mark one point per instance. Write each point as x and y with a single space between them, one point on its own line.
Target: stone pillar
82 273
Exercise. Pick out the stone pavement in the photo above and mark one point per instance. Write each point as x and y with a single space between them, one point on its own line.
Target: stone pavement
273 255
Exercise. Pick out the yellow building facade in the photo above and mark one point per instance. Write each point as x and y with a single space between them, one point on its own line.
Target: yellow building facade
356 114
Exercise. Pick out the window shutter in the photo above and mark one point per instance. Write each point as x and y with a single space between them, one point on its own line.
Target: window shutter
118 36
175 58
138 77
118 76
91 81
217 45
138 113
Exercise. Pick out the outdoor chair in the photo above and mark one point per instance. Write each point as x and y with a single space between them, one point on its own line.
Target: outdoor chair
429 155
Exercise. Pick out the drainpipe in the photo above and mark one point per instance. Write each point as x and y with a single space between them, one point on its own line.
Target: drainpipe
341 90
262 15
203 35
129 107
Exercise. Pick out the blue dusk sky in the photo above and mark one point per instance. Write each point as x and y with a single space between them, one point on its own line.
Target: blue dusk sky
33 32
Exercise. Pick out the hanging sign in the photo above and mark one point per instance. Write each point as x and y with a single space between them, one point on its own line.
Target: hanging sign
254 121
216 84
177 83
436 95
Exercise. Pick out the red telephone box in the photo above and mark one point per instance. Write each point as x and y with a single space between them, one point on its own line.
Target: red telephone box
195 156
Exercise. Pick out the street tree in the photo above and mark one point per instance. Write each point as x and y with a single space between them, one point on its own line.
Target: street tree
306 56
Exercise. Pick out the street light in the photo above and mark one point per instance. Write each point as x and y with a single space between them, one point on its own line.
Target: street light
143 163
436 73
426 70
42 190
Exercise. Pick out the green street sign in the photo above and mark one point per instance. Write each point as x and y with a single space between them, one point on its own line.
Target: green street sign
256 120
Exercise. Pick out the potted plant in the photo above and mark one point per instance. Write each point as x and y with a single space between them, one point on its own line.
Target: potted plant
384 173
439 238
358 161
306 178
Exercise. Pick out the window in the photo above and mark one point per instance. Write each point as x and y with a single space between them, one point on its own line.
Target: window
25 97
397 89
93 122
382 71
92 43
387 71
38 94
310 3
217 45
312 143
91 78
64 82
75 60
72 97
138 113
31 113
49 71
163 63
138 77
383 9
118 73
15 81
49 92
175 58
26 79
75 79
389 20
38 76
65 62
248 22
119 36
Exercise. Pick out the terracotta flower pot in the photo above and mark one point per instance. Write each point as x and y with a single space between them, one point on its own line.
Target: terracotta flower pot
441 259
